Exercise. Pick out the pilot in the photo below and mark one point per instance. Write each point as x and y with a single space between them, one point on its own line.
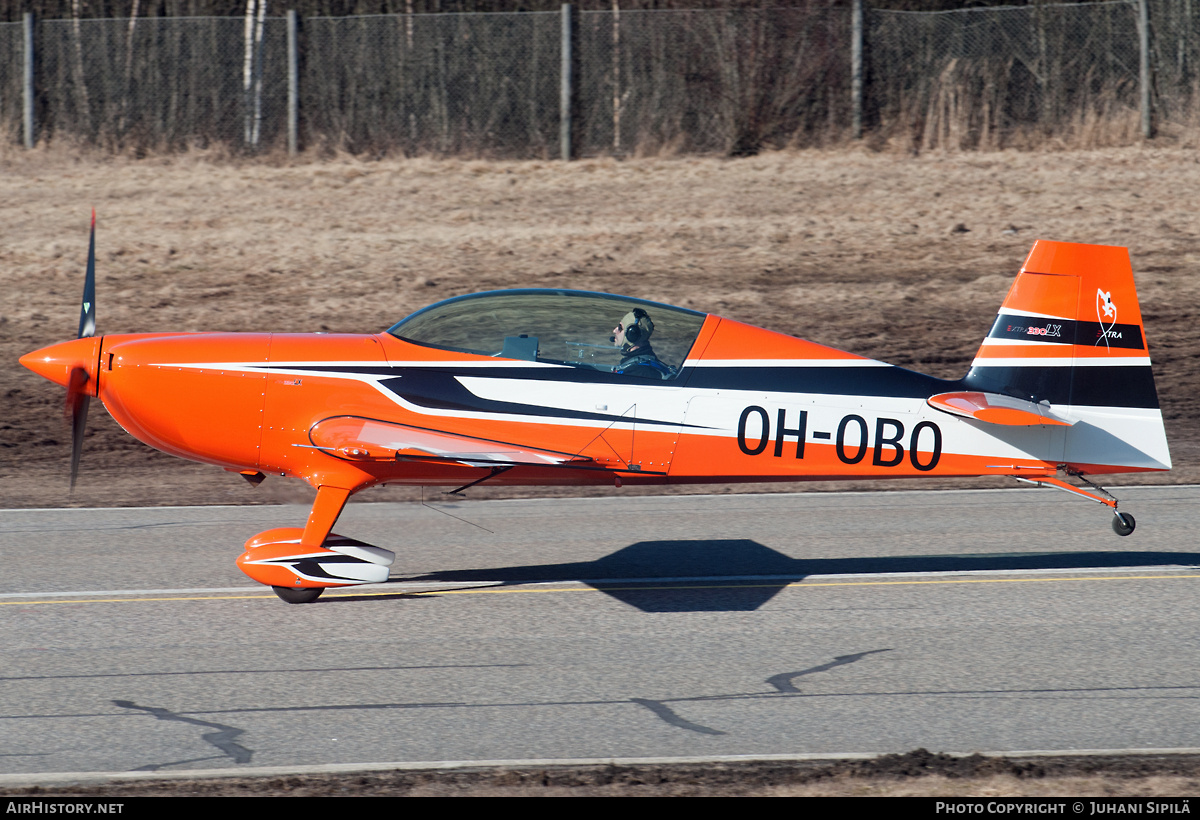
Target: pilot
632 335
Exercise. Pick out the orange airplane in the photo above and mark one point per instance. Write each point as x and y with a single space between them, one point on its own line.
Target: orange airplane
551 387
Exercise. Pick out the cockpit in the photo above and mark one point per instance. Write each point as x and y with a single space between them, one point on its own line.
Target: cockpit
563 327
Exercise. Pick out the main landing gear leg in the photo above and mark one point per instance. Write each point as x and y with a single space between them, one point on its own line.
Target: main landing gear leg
325 511
1122 524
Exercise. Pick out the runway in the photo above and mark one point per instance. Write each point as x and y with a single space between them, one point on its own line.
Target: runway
666 627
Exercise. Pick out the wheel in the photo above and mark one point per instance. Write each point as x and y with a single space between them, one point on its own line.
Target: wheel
300 595
1123 523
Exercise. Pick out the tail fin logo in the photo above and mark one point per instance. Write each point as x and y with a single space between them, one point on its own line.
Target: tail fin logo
1104 304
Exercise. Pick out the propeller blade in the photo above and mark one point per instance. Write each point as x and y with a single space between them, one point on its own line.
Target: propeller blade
79 413
77 400
87 313
76 411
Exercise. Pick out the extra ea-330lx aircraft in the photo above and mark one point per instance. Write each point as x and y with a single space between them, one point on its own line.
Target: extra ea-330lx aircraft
537 387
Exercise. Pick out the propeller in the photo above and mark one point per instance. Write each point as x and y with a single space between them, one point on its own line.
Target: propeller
77 399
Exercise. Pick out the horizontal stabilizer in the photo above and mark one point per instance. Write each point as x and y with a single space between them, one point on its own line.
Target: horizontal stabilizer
995 409
371 440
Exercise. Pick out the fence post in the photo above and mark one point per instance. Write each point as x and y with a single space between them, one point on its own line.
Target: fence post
1143 25
568 82
30 137
293 92
856 75
616 73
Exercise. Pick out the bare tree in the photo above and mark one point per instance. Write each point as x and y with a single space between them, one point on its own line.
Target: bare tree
256 11
126 99
81 92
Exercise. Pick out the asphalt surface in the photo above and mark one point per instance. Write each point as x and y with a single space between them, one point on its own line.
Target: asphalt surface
670 627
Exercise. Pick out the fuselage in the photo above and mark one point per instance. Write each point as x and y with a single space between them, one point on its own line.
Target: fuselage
250 402
525 387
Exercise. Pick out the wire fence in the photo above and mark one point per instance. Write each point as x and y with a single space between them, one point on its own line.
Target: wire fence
445 83
992 76
489 84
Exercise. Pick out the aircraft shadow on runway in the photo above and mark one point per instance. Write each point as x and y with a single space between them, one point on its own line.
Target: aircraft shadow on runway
741 574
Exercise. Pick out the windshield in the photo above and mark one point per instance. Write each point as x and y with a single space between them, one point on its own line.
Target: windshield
558 326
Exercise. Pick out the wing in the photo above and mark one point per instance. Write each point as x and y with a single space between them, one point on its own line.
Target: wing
363 439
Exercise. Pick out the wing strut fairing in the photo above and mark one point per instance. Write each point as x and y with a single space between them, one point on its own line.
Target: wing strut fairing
362 439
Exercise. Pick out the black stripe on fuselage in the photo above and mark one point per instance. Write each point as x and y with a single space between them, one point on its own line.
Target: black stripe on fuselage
439 390
1012 327
1123 386
1106 386
883 381
440 383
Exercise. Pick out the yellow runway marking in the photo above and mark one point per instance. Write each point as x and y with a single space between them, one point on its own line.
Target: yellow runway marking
518 590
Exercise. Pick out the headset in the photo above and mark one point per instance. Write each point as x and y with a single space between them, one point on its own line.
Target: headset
641 328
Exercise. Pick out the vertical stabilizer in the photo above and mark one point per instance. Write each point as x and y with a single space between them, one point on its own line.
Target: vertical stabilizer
1070 334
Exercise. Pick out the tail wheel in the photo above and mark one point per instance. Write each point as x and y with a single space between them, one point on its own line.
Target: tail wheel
306 595
1123 523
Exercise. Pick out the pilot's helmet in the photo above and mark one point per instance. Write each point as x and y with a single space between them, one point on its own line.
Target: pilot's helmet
638 326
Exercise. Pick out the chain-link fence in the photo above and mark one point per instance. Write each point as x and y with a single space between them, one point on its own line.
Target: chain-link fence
161 82
483 84
1175 61
989 77
12 58
725 81
728 81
